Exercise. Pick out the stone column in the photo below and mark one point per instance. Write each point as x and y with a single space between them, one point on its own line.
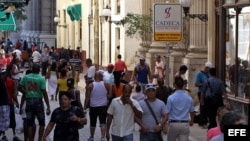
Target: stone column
211 31
197 52
175 61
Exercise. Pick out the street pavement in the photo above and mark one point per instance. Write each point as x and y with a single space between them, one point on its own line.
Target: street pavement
196 133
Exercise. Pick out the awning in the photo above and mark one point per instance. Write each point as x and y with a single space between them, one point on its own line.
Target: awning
7 23
75 12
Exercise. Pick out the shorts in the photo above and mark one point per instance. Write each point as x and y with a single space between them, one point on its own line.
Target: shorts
4 117
12 117
100 112
35 108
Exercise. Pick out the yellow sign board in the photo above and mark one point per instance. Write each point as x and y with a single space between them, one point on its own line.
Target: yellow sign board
167 36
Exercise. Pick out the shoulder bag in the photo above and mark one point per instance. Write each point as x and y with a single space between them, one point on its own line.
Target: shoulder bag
153 114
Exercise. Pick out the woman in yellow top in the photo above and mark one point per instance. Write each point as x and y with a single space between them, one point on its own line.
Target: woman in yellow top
61 83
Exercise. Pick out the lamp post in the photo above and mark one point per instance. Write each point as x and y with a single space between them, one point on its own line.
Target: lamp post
186 26
106 12
186 4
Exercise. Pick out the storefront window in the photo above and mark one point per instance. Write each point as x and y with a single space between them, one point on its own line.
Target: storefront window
238 52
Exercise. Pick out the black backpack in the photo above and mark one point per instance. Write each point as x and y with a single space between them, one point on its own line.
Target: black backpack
213 98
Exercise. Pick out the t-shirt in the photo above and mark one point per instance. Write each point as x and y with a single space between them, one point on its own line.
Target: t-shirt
18 53
76 62
45 57
108 77
201 77
147 118
33 84
36 56
213 132
119 65
138 96
118 90
62 83
219 137
66 129
91 72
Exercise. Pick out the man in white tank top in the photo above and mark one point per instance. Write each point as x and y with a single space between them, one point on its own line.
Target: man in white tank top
97 97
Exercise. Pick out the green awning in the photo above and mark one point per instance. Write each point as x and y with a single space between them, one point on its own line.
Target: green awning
75 12
7 23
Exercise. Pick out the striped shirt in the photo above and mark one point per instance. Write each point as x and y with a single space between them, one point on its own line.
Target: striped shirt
76 62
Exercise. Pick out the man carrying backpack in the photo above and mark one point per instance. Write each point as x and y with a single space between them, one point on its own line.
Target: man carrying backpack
212 93
141 74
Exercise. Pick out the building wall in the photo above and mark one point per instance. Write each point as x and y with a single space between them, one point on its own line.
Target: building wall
68 32
39 27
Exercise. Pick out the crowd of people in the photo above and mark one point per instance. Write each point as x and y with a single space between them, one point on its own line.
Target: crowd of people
155 107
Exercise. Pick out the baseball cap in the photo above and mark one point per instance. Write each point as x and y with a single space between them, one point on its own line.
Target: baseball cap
142 57
209 65
150 86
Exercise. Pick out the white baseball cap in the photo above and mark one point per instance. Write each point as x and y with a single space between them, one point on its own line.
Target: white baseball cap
209 65
142 57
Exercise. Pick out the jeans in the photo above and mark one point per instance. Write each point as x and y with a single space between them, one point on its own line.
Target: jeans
125 138
148 136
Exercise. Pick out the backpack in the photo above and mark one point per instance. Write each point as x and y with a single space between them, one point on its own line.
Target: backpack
213 98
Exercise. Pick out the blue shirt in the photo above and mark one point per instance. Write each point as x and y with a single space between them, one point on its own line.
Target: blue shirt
179 105
200 77
216 85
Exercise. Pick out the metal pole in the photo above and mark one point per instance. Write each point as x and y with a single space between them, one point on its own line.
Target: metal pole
167 65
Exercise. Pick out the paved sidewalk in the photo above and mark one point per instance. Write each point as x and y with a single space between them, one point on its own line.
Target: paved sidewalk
196 133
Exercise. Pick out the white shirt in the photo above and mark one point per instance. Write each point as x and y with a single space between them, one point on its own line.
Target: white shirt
36 56
18 53
91 72
123 117
107 76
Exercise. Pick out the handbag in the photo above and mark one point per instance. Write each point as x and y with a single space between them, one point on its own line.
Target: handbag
153 114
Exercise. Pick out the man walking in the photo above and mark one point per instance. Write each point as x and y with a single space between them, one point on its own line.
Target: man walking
121 114
34 86
45 60
10 85
150 125
120 64
179 106
4 107
211 96
97 96
200 78
141 74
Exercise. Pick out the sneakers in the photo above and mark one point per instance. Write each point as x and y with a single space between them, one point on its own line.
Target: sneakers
90 139
16 139
4 138
102 139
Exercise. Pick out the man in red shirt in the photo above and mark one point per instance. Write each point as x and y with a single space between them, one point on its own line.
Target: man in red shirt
120 65
10 85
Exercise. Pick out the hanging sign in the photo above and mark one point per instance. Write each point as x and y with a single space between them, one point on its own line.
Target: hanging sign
167 24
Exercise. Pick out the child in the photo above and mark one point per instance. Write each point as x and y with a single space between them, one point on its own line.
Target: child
138 95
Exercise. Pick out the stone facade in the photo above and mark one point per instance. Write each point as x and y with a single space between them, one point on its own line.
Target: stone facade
39 27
